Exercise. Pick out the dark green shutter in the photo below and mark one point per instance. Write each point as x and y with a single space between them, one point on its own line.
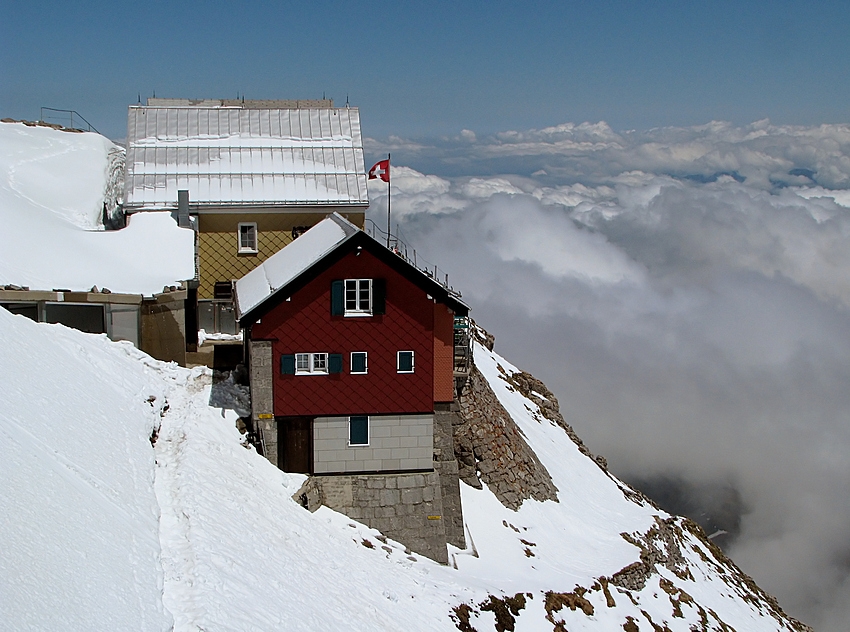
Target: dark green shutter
337 298
287 364
405 361
358 362
358 430
379 296
334 363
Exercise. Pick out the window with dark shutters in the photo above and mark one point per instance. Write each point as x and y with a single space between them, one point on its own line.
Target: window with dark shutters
358 430
287 364
405 362
359 362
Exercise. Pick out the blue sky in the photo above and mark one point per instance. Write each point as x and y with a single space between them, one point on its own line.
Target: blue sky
430 69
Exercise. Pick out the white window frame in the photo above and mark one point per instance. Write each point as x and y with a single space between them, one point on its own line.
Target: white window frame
362 308
365 362
412 362
248 249
311 364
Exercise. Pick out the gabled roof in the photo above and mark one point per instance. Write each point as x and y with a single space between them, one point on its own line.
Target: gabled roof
227 155
313 252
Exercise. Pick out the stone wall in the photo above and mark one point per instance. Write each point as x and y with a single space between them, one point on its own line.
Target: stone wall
446 467
490 448
405 507
262 402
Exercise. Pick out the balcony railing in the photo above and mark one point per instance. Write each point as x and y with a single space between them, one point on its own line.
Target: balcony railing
410 255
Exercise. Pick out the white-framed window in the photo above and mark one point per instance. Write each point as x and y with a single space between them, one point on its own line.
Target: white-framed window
358 297
358 430
404 362
311 363
248 238
359 362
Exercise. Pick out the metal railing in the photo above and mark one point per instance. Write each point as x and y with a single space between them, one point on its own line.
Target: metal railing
71 113
399 247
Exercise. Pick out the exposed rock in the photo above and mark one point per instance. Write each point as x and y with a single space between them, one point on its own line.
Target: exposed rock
535 390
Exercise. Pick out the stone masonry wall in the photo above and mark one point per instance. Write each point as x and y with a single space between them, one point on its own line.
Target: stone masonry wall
446 467
405 507
490 447
262 402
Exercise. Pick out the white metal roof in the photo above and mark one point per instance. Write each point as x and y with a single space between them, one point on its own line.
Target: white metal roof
290 261
226 156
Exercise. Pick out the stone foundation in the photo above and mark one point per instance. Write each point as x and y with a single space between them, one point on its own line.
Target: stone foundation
405 507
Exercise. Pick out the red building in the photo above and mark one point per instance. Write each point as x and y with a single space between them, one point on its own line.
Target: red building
351 348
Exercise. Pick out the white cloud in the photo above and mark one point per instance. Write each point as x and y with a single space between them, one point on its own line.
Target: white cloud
686 294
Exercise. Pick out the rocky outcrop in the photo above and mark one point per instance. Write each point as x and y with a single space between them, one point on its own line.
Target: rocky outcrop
535 390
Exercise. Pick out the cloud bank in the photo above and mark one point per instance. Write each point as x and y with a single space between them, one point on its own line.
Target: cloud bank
686 294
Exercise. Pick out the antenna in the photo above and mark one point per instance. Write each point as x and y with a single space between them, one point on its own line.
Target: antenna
140 98
346 100
154 94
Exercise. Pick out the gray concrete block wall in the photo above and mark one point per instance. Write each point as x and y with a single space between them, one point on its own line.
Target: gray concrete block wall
405 507
262 400
396 443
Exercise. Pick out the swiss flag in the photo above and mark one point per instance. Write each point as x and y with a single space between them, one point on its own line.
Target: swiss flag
380 170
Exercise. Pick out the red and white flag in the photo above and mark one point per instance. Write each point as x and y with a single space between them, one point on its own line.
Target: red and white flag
380 170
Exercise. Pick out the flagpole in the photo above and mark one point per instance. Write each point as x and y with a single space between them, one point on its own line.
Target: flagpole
389 197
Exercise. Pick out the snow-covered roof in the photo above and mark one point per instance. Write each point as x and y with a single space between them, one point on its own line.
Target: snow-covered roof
232 155
298 256
52 189
292 260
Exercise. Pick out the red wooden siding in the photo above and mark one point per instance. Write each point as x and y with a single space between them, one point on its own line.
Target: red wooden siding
443 353
304 324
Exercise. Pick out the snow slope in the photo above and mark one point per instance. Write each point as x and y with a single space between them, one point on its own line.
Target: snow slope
78 513
102 530
52 188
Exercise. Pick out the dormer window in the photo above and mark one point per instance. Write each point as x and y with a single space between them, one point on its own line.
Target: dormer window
248 238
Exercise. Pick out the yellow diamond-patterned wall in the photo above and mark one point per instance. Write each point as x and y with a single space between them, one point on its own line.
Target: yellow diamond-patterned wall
218 242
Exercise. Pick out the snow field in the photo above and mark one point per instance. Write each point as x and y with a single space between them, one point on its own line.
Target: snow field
52 186
105 531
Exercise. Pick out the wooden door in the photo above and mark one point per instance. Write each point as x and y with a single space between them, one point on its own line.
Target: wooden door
296 444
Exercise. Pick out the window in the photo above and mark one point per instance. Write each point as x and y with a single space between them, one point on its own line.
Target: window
248 238
405 362
311 363
358 297
358 430
359 362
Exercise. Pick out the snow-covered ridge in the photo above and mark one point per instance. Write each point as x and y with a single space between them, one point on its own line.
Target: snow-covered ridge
197 528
